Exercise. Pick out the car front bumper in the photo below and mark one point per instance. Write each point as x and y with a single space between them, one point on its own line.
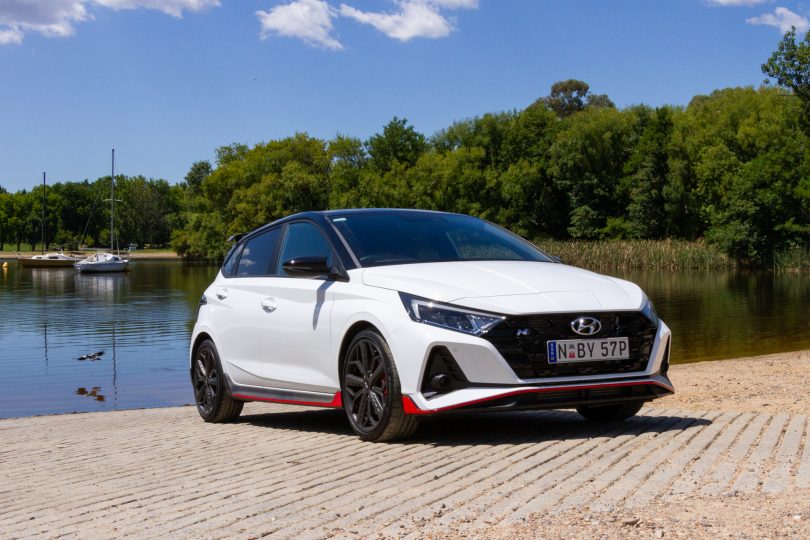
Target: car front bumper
491 384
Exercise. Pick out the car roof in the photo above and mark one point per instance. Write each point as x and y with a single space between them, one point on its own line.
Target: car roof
322 216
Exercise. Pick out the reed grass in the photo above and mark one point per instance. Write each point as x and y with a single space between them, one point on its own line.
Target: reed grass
792 260
640 254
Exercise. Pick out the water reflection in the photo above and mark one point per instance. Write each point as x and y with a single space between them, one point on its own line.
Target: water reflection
717 315
94 393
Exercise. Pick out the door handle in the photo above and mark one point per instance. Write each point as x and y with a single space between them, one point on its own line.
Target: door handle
269 305
222 294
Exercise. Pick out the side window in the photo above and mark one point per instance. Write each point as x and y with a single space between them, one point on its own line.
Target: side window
230 260
303 240
257 255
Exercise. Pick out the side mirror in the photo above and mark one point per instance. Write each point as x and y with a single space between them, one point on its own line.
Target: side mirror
308 267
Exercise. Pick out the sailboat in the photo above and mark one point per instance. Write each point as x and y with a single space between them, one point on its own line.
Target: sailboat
47 260
106 261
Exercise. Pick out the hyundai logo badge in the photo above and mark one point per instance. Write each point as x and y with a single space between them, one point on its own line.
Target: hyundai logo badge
586 326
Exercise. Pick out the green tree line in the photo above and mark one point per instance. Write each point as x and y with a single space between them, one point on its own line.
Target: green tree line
732 167
78 213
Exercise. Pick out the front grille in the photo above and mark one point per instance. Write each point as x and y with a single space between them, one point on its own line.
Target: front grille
526 352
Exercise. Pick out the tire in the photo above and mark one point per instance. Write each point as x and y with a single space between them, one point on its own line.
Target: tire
371 392
610 413
214 403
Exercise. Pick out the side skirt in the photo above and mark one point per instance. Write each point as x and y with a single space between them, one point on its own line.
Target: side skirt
283 395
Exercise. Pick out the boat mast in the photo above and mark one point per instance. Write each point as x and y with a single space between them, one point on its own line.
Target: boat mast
112 204
43 213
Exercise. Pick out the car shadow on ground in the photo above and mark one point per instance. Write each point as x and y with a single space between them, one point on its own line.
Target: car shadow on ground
484 428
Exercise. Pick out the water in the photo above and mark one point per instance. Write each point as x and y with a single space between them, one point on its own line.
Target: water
142 321
717 315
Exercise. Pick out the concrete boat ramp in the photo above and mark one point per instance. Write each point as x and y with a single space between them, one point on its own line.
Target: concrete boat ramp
292 472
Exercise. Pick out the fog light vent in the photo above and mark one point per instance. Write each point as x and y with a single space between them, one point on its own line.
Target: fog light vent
442 374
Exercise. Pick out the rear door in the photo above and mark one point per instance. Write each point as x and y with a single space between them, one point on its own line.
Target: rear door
240 317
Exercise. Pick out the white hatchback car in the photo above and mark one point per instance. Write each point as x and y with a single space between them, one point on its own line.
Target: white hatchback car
397 314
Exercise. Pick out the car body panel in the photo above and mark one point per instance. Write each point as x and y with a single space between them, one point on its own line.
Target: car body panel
513 287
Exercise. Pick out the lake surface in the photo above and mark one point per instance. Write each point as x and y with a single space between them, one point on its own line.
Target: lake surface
142 321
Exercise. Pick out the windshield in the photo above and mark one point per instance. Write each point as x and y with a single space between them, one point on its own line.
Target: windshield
383 238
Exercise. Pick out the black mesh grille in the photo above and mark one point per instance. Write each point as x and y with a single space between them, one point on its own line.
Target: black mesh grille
526 353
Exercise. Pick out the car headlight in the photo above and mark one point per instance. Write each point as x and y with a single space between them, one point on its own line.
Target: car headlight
449 316
649 311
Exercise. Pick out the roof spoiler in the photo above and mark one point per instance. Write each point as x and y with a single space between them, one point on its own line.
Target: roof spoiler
236 237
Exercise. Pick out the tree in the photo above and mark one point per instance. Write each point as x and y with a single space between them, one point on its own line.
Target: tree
790 66
398 142
648 169
348 159
198 172
571 96
231 152
5 216
587 161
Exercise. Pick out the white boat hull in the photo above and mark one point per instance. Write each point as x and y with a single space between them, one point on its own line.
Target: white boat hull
88 268
102 262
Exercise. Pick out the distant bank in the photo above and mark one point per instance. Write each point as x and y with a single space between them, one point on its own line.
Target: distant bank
150 255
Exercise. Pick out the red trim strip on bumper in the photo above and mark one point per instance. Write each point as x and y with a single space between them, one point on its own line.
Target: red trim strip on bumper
411 408
336 402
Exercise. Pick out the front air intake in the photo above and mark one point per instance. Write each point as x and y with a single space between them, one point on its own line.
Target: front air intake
442 374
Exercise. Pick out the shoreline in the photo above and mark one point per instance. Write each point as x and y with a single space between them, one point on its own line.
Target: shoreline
158 255
771 382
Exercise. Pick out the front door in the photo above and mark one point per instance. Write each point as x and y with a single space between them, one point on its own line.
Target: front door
296 342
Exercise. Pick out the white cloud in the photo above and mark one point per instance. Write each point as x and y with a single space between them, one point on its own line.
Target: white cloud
175 8
783 19
56 18
11 35
737 2
413 18
308 20
455 4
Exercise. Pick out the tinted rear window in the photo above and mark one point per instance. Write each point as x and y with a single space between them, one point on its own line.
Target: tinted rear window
258 255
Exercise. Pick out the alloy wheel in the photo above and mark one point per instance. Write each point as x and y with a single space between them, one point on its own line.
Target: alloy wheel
366 385
206 380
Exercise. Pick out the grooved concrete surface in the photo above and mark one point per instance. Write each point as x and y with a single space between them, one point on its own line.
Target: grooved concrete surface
294 472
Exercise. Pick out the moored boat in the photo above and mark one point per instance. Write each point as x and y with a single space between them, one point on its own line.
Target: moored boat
106 262
48 260
102 262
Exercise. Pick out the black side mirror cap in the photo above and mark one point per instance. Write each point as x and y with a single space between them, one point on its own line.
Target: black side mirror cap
310 267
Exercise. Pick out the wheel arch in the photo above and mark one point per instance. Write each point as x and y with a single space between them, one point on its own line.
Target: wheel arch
348 336
202 336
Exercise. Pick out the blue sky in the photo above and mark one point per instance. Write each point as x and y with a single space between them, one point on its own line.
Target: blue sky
167 81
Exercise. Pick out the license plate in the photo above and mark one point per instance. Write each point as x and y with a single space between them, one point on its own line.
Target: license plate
587 350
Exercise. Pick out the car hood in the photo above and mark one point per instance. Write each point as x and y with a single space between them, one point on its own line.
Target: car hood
509 287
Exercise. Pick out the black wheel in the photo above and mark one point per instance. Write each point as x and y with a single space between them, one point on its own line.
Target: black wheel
610 413
371 392
210 392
